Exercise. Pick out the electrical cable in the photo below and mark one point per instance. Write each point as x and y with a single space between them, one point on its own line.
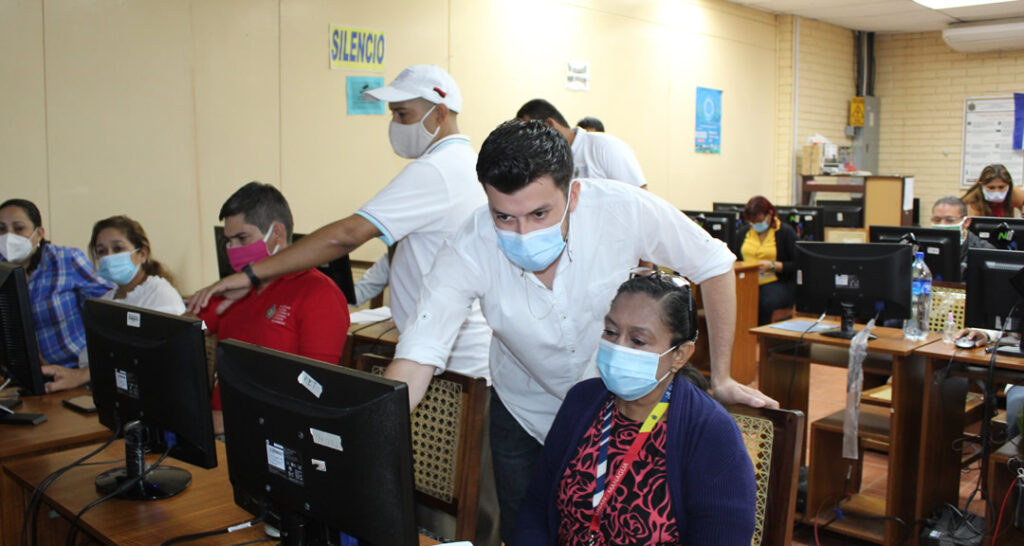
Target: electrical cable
999 520
36 498
127 484
224 531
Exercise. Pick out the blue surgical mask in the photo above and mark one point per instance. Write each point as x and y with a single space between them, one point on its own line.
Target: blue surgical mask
629 373
760 227
536 250
118 268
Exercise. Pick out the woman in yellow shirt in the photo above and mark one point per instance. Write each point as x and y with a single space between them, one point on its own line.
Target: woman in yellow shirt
765 240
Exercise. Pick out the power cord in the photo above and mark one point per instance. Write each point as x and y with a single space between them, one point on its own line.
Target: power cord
28 527
126 485
224 531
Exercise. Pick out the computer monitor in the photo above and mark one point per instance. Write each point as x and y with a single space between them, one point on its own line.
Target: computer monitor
995 284
339 270
842 213
718 206
1003 233
808 222
149 379
854 280
317 449
941 247
19 353
721 225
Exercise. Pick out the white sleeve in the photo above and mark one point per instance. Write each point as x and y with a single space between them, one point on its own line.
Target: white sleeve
621 164
373 281
415 198
672 239
454 282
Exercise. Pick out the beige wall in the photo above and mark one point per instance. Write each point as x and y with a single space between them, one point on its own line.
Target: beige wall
161 109
922 84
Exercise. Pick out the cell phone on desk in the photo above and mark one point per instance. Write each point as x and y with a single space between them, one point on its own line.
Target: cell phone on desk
81 404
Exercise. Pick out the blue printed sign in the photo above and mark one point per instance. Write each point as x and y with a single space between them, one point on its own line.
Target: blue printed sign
357 105
708 136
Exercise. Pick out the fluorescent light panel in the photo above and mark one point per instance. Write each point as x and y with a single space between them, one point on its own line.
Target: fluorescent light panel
949 4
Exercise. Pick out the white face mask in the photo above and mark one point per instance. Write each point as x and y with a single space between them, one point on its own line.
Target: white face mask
410 141
994 196
15 248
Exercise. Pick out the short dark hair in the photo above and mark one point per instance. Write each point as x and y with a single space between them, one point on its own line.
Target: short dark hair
519 152
540 110
591 123
952 201
262 205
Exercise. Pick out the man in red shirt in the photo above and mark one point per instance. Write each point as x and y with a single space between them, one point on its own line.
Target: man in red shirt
303 313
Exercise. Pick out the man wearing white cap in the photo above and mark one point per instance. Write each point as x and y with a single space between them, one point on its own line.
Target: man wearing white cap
427 201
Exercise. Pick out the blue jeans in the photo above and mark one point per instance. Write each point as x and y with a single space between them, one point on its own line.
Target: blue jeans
514 453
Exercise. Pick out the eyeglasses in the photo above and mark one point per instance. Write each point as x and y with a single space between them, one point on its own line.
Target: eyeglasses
681 282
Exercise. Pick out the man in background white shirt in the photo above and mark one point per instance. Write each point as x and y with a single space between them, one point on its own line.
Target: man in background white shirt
595 155
546 303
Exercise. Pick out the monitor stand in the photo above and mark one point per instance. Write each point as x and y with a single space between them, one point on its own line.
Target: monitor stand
846 330
159 483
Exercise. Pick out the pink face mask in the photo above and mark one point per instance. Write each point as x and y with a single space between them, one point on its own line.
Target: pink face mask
251 253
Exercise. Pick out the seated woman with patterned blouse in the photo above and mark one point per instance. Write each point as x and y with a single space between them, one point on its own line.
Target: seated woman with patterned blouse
642 455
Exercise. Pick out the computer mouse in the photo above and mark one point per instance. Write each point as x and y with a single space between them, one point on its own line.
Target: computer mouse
965 343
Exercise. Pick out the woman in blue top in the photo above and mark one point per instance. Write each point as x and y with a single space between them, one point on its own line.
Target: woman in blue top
641 455
60 279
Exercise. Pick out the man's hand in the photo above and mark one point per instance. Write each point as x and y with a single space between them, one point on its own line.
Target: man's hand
64 378
232 288
729 391
978 337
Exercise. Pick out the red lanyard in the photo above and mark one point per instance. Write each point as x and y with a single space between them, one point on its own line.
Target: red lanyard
632 454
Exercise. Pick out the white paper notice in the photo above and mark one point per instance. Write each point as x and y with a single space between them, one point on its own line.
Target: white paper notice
908 193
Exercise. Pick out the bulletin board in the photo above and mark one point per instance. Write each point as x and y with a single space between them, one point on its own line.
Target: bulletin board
988 139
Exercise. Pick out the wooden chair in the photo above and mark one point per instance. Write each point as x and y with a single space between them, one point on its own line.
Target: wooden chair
447 430
774 440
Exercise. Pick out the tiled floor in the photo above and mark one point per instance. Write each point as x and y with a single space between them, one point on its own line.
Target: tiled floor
828 388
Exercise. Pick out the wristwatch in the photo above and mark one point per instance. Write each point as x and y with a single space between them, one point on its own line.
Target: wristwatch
253 279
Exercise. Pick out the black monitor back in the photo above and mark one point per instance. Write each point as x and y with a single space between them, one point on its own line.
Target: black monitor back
842 213
325 445
151 366
941 247
721 225
872 276
729 207
1003 233
808 222
339 270
19 352
990 293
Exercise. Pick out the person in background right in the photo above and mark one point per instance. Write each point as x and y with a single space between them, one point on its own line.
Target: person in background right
591 125
1014 393
951 213
994 194
768 241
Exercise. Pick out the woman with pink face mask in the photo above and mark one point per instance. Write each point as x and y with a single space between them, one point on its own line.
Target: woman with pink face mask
994 194
60 279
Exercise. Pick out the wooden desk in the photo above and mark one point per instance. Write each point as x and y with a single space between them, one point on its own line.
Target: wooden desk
369 333
744 349
206 504
943 419
784 374
63 429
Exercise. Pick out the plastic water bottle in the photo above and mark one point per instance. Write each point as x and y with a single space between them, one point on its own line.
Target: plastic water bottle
916 327
949 331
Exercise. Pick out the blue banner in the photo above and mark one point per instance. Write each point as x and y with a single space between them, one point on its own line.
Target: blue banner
1018 120
708 136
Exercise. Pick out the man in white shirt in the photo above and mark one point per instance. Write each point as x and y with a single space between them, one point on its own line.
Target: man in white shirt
594 154
544 260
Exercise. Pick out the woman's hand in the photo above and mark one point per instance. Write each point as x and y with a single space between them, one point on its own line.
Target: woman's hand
769 266
64 378
977 336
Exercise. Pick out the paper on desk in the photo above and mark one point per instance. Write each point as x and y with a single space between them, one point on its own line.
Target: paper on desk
371 315
802 326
